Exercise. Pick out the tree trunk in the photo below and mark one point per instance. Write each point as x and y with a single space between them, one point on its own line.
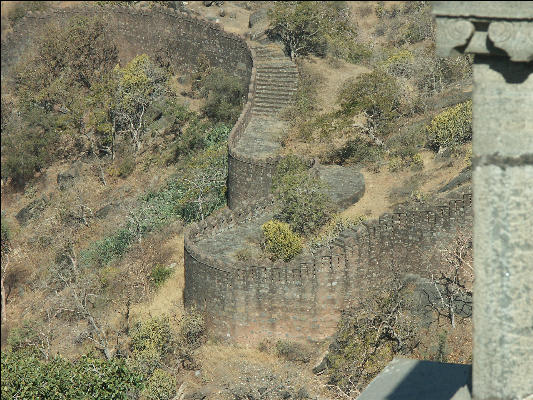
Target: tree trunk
3 288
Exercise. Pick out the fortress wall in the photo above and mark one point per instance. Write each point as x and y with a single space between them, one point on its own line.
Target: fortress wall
303 298
156 31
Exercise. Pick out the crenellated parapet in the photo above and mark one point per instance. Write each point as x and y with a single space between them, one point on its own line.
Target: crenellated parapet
303 298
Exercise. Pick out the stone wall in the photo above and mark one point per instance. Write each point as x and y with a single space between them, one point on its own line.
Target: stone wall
155 31
303 298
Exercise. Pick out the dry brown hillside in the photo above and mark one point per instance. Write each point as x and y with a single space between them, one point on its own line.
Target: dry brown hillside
80 204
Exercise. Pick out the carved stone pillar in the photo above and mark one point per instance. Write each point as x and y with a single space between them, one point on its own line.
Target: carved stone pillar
500 35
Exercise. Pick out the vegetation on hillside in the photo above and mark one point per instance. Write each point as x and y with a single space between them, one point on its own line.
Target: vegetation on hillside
85 268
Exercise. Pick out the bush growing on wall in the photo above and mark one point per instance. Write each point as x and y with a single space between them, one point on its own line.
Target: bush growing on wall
451 127
302 201
281 241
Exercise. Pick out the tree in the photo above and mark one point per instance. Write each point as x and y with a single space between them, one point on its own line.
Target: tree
301 196
376 95
6 249
308 26
76 291
452 285
136 87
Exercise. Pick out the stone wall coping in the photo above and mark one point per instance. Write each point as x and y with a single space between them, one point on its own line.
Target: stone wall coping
366 232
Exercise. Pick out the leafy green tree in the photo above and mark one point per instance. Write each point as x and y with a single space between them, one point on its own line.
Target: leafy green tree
309 26
301 197
376 94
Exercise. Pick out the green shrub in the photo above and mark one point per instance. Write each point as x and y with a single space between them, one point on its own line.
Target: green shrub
359 150
126 167
192 329
375 93
290 165
417 162
154 333
301 197
292 351
101 252
399 63
280 241
159 274
224 95
25 375
200 135
451 127
160 386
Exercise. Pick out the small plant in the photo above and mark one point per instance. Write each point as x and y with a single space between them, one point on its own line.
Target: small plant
292 351
441 354
243 254
126 167
160 386
264 346
281 241
160 273
417 162
192 329
395 164
468 157
451 127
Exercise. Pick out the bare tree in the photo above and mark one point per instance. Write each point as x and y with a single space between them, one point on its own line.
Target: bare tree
6 249
79 292
453 284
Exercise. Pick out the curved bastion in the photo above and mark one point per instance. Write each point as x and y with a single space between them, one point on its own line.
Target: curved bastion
303 299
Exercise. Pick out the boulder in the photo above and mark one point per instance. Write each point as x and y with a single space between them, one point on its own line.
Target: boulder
67 178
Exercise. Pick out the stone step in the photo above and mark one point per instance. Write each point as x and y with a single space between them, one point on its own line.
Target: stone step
270 105
276 74
276 78
265 113
291 68
274 93
278 71
269 108
276 88
282 97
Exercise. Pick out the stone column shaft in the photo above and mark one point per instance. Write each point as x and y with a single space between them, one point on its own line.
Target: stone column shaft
503 230
500 35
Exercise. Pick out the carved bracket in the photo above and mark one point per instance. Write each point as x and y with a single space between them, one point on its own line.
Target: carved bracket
482 34
452 33
515 38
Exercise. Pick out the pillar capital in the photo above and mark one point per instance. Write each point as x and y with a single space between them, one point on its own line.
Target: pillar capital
496 28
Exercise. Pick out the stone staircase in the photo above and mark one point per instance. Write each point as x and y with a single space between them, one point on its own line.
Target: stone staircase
276 81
